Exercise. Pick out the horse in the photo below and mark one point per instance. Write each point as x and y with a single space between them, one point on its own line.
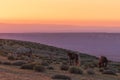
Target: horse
73 58
103 62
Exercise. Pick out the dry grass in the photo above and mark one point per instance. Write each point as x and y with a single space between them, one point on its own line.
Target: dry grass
10 72
13 73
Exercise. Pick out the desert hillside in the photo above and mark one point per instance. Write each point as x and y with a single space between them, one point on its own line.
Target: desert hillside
22 60
15 46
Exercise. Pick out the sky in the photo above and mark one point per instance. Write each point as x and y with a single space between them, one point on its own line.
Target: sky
59 16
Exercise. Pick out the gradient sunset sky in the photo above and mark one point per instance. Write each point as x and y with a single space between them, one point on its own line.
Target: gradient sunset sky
59 16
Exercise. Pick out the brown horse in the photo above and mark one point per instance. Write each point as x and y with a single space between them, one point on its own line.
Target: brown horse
73 58
103 62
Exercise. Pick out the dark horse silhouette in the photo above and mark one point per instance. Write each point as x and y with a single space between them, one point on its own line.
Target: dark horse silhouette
103 61
73 58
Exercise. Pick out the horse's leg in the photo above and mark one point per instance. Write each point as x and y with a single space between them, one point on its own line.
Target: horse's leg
77 63
74 62
100 65
105 64
70 61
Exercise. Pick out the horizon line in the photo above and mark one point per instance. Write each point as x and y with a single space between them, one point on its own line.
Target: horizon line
58 32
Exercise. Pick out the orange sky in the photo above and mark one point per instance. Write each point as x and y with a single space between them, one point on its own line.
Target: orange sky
85 14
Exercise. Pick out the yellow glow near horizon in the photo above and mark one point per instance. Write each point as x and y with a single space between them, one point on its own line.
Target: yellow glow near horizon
63 10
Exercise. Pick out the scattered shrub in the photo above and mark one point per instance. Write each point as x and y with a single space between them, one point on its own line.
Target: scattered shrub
89 65
23 58
75 70
0 62
61 77
11 58
50 68
118 70
65 62
29 66
109 72
101 70
84 67
90 71
3 54
64 67
45 63
19 63
92 66
39 68
6 63
56 62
